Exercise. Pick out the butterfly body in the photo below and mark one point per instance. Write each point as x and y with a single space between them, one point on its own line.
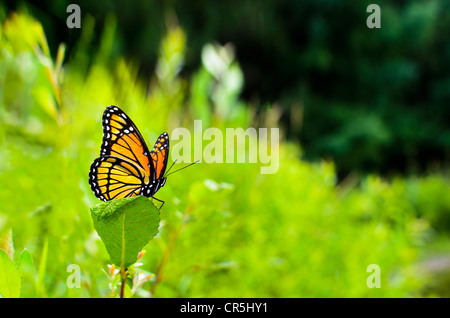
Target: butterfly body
126 167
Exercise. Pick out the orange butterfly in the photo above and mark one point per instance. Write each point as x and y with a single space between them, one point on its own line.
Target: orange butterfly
126 167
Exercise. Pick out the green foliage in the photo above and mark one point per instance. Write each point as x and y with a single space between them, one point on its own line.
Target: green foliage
126 226
10 280
226 230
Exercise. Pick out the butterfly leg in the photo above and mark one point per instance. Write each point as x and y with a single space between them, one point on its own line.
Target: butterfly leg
159 201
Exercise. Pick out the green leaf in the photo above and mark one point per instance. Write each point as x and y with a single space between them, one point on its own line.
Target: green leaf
29 274
43 263
10 280
26 263
41 270
125 227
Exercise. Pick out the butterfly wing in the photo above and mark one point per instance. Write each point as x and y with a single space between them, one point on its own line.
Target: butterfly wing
126 167
114 178
122 139
160 155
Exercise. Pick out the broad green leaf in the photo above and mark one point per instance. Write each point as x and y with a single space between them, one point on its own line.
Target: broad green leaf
10 280
125 227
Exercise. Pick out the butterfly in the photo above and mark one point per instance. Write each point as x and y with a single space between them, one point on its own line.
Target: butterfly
126 167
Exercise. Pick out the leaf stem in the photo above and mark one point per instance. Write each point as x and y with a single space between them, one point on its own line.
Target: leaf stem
123 277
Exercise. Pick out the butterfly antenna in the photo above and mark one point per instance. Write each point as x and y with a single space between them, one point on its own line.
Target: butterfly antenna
171 166
180 168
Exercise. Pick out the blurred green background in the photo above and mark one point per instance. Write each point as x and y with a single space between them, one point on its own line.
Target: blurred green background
365 139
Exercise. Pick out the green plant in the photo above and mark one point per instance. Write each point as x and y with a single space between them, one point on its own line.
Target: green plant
14 273
125 227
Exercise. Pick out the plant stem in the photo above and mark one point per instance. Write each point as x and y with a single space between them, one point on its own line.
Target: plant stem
123 276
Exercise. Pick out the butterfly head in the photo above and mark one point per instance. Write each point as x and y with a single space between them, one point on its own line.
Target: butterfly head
150 189
160 183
